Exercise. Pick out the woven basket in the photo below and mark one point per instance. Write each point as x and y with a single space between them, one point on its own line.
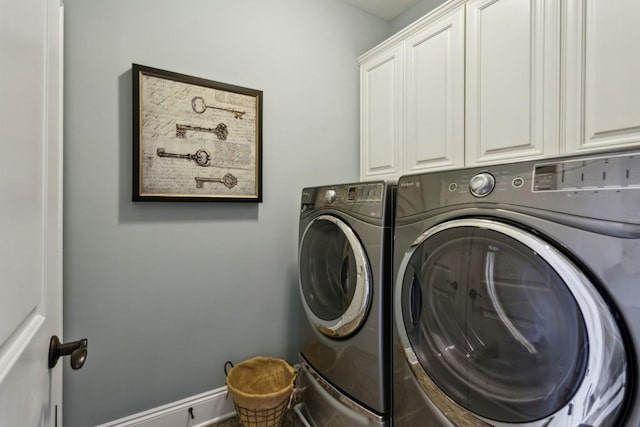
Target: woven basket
261 388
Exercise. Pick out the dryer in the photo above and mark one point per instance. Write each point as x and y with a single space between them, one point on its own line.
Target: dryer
345 284
516 295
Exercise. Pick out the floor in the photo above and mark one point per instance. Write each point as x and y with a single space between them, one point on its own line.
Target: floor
290 419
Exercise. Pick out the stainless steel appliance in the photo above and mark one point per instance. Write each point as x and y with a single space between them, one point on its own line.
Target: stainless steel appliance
517 296
345 288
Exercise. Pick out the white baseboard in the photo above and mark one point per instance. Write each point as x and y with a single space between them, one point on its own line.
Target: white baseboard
207 408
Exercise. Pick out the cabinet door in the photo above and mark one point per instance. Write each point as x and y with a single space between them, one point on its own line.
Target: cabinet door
434 95
601 101
512 80
381 115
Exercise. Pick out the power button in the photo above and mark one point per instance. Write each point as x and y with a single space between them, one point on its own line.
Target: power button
517 182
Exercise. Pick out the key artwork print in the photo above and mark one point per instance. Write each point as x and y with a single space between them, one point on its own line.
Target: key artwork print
195 139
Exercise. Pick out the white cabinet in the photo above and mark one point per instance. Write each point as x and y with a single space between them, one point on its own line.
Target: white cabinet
480 82
434 95
511 80
412 98
601 80
381 98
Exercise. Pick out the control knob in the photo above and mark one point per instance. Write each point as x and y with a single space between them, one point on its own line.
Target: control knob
482 184
330 196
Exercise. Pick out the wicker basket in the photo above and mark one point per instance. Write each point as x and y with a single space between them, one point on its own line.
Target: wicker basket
261 388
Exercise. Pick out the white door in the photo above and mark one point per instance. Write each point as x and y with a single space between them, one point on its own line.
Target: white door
381 100
30 210
600 81
434 95
511 80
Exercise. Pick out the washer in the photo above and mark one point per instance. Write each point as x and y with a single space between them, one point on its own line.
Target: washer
345 256
517 294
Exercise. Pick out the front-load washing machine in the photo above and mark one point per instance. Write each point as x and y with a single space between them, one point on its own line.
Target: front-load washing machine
345 285
517 294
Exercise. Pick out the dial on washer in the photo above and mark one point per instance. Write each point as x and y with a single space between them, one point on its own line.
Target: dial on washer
330 196
482 184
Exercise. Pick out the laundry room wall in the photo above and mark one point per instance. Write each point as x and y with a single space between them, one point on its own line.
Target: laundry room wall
167 292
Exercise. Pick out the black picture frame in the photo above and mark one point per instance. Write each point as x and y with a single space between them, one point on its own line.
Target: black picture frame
195 140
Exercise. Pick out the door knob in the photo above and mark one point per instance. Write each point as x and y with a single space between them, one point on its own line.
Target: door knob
76 349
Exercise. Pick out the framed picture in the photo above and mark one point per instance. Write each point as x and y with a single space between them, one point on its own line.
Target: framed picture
194 139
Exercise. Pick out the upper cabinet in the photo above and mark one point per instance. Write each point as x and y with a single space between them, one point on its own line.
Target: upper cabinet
412 98
434 95
489 81
601 79
512 80
381 98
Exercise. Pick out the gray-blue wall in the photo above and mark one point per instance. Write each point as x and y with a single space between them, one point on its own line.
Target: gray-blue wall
166 293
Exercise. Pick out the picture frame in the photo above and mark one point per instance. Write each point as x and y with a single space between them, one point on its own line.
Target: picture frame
195 140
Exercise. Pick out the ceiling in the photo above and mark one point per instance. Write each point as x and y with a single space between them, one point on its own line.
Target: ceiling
385 9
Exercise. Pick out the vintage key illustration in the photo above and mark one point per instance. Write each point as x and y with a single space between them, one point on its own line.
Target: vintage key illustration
220 131
202 157
228 180
200 106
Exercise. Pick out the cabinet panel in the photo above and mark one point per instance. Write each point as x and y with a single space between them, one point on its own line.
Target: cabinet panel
512 84
434 113
601 107
381 112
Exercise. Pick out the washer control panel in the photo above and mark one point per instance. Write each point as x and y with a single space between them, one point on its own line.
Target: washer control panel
364 198
364 193
587 174
599 186
595 173
360 193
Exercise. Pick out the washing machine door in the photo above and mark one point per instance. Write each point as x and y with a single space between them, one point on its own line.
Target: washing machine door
500 329
335 278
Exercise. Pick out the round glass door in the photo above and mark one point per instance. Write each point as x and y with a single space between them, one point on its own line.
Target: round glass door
499 321
334 277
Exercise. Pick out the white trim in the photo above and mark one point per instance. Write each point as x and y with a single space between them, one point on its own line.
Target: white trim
442 10
208 407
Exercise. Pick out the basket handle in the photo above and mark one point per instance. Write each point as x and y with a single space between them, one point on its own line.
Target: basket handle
296 379
227 364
